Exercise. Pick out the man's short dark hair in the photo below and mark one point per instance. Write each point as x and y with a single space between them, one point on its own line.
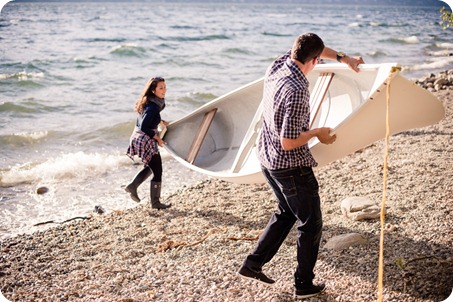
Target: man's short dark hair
306 47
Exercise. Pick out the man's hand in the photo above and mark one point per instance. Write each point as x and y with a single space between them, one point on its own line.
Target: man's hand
324 135
353 62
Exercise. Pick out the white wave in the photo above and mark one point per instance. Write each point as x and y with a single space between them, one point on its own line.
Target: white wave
66 166
32 135
276 15
434 64
21 76
445 45
125 46
354 24
377 53
440 53
410 40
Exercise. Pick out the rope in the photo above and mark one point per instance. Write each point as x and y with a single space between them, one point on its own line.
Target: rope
384 188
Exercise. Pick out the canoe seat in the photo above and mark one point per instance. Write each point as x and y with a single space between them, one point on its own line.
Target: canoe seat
200 136
318 94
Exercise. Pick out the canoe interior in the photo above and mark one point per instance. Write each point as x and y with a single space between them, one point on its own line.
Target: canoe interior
224 137
347 91
235 115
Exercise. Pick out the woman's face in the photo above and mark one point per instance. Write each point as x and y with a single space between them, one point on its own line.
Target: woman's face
160 90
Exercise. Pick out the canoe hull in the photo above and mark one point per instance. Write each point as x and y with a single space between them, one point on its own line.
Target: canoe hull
354 106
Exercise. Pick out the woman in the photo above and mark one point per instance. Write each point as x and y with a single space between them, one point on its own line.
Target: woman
145 140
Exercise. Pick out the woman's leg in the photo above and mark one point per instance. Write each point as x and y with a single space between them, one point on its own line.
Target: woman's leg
139 178
156 183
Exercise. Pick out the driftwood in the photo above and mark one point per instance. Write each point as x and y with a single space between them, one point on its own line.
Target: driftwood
61 222
244 238
170 244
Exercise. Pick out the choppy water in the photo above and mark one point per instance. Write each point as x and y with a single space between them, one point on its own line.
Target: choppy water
70 74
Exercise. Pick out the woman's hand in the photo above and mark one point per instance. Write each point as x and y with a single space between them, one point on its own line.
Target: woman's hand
160 142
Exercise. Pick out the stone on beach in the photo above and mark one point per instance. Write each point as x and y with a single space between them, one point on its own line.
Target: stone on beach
345 241
433 83
42 190
359 208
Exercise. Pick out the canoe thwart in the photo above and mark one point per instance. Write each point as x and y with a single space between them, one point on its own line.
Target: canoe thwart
318 94
249 141
200 136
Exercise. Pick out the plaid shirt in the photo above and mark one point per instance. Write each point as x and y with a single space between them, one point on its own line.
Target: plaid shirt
286 101
142 145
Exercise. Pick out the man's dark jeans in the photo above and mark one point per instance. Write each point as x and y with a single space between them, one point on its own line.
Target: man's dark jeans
296 190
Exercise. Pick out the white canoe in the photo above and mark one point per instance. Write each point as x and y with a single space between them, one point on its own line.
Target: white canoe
219 138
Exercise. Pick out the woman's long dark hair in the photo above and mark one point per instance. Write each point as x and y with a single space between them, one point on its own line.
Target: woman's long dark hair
147 92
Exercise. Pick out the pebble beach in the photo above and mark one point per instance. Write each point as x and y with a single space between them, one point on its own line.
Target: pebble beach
192 251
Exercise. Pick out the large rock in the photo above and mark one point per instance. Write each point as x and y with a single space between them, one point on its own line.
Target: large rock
345 241
359 208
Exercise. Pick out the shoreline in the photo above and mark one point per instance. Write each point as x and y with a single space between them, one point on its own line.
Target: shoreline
191 252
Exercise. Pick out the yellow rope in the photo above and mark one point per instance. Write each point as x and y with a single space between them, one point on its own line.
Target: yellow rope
384 189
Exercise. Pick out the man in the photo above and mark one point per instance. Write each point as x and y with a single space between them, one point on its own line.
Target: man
287 163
